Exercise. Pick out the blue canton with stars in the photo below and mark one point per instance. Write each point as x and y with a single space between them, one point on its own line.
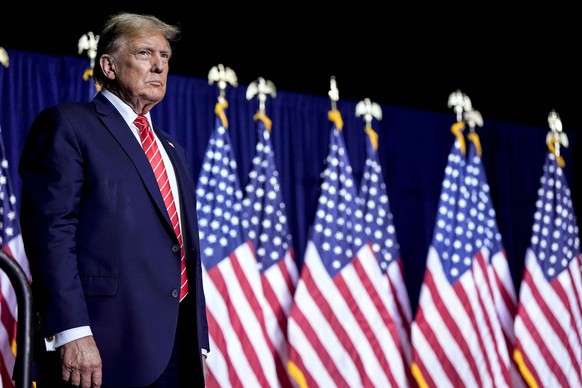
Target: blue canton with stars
337 230
455 230
9 227
219 199
265 217
485 217
554 240
378 219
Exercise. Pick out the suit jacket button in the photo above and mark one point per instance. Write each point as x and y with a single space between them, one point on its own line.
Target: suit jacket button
175 293
175 248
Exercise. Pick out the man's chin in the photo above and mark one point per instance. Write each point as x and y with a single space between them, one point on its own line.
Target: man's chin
155 96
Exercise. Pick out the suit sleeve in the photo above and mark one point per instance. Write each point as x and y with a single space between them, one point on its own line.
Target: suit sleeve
51 168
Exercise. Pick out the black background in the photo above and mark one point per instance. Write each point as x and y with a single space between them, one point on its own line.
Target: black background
515 64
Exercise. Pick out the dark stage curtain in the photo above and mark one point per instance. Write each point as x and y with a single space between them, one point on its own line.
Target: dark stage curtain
413 149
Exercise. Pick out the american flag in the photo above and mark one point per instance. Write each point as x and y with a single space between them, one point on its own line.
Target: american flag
340 331
240 350
10 243
548 325
501 282
379 227
265 219
456 336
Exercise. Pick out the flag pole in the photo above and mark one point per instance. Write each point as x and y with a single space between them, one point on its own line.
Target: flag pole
556 137
261 88
88 42
460 103
474 119
334 115
369 110
222 76
4 59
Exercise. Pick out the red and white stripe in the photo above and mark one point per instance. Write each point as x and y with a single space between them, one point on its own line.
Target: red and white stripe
399 307
278 283
241 353
548 326
456 335
9 312
340 332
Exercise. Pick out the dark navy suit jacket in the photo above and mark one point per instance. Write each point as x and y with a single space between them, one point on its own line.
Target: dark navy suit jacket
101 246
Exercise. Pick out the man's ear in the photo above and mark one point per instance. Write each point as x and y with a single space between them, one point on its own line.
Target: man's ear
107 63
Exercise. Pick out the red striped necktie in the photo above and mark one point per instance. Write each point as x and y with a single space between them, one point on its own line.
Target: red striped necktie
148 142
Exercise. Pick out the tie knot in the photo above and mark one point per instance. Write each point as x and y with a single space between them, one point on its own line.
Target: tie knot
141 122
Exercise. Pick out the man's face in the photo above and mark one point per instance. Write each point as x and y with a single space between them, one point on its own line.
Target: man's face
141 69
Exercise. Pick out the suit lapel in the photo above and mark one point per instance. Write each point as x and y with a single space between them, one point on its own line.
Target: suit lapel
115 124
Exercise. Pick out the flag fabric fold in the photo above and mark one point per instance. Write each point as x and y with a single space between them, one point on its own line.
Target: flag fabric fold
500 279
340 331
379 228
240 350
548 325
456 336
11 244
265 219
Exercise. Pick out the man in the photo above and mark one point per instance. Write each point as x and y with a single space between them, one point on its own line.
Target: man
105 242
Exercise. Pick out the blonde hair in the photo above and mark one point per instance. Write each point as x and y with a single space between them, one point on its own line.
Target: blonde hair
124 26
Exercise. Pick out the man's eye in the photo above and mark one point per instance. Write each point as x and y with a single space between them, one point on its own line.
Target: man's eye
142 54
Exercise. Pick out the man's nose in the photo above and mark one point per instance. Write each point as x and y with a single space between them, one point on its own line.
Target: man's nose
159 63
